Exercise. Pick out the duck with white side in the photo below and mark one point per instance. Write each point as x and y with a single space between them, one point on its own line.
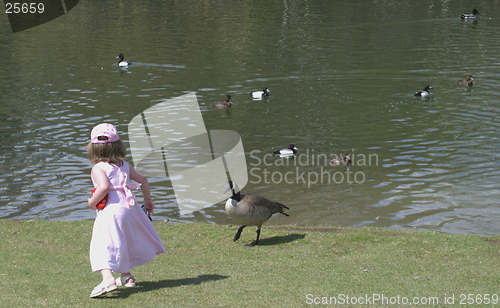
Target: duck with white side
291 150
121 62
470 16
260 94
424 92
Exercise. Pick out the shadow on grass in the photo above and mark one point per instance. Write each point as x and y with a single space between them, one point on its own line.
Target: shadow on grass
147 286
276 240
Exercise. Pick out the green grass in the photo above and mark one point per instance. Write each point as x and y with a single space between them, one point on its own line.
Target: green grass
46 264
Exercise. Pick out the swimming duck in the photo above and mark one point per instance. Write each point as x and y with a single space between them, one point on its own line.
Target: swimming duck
224 104
341 161
260 94
250 210
121 62
292 149
470 16
467 82
424 92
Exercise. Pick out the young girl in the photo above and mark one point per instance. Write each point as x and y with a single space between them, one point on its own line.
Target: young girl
123 237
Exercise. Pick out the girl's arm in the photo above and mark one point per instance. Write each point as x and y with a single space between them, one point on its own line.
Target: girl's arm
146 192
102 181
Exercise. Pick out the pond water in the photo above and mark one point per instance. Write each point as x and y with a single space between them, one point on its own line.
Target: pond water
341 74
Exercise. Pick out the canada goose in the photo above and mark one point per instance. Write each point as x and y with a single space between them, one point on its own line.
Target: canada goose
260 94
250 210
224 104
121 62
467 82
470 16
344 161
424 92
292 149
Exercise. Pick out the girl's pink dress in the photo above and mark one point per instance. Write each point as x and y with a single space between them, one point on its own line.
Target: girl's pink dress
123 237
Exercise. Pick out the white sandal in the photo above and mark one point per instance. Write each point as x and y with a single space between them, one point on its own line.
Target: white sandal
103 287
122 281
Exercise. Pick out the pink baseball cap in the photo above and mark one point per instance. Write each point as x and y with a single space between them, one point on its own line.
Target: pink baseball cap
106 130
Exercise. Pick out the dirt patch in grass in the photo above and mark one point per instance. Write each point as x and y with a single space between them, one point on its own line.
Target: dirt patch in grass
308 229
491 241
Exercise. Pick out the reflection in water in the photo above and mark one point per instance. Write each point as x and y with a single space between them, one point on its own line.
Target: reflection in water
337 85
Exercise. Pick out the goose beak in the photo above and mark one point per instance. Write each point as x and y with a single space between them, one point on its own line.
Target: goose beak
228 187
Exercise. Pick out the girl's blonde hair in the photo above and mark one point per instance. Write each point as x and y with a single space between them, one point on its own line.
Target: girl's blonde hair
110 152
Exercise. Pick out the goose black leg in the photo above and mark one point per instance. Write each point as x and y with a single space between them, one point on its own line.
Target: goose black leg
238 233
256 242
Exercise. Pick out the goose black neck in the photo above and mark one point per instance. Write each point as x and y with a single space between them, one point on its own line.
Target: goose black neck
236 196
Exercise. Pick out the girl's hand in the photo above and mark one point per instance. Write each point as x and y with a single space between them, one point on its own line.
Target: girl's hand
148 205
146 193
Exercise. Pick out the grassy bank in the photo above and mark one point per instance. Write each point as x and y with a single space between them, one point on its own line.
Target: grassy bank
46 264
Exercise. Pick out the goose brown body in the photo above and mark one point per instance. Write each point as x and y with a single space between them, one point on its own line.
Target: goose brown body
253 210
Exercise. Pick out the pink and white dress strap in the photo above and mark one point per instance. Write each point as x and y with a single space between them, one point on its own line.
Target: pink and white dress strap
126 188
